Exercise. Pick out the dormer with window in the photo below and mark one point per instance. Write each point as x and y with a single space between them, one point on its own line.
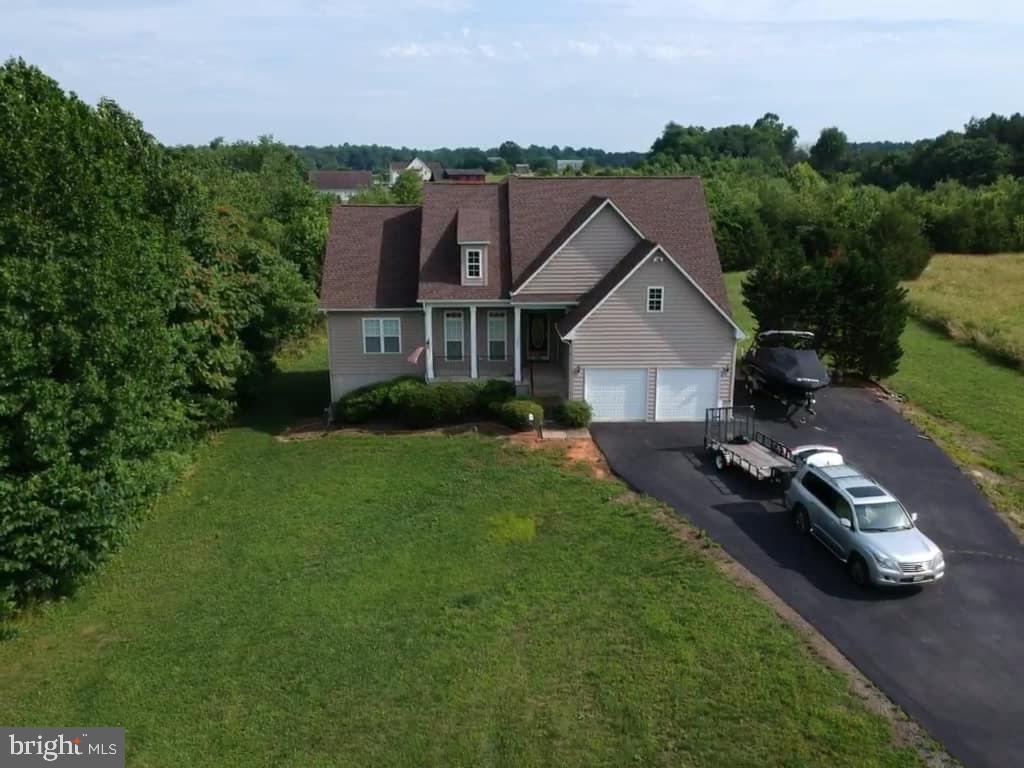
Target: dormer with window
473 232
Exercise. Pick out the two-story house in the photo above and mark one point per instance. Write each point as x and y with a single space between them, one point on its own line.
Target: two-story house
603 289
341 184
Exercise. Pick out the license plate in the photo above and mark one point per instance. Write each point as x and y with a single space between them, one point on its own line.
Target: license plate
920 578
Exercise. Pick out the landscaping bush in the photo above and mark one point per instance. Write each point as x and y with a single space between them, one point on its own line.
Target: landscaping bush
494 391
515 414
375 401
575 413
447 403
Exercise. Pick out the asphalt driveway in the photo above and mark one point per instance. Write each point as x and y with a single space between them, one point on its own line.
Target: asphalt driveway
950 654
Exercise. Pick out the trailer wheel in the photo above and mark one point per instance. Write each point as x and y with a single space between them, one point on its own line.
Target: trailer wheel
721 461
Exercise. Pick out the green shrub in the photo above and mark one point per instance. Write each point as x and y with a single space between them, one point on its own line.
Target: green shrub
494 391
431 406
516 413
375 401
575 413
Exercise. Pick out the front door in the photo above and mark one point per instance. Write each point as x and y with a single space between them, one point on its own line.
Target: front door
538 337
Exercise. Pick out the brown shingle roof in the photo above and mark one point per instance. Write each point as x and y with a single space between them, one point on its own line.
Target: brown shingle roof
390 256
668 210
340 179
371 257
436 171
474 225
439 249
574 223
592 298
465 172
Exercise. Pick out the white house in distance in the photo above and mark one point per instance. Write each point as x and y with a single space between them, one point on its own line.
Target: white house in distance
571 165
427 171
341 184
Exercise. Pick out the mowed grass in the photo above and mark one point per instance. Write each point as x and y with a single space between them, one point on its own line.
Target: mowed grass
976 299
423 600
973 406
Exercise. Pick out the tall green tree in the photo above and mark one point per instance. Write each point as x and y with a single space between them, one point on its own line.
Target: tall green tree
408 188
829 153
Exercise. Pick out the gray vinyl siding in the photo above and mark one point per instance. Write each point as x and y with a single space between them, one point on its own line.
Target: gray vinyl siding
350 367
621 333
587 257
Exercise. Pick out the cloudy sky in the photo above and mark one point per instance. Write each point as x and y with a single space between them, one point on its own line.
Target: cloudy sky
606 73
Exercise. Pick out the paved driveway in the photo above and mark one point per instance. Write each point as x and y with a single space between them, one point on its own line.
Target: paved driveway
952 654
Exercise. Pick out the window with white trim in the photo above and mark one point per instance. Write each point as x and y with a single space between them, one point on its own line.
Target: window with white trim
382 335
655 298
474 263
454 332
497 336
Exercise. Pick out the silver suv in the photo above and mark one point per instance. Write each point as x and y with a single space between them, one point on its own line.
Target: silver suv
863 525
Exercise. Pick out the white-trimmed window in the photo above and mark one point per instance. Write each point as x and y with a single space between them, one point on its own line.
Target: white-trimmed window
655 298
382 335
474 263
454 333
497 336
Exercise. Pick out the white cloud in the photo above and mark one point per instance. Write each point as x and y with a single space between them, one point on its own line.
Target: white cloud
583 48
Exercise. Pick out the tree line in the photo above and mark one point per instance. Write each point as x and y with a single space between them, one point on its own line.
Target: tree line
143 292
501 159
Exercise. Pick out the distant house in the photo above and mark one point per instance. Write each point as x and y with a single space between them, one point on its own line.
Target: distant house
571 165
522 169
466 175
341 184
428 171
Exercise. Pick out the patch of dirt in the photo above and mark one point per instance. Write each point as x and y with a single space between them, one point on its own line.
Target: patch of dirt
906 732
581 451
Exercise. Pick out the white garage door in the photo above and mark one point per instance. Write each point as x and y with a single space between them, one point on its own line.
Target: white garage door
616 394
684 393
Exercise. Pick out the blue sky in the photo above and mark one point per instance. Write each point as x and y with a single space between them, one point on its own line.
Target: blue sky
606 73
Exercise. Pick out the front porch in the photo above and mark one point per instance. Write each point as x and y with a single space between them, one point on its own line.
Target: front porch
517 344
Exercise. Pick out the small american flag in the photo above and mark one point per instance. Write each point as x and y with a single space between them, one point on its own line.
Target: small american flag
415 355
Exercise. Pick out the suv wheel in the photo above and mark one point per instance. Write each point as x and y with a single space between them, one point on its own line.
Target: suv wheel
858 571
800 520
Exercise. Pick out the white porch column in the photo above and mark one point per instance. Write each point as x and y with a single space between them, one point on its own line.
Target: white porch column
428 333
472 341
518 343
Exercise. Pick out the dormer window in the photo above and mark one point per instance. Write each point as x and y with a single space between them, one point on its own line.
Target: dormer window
474 263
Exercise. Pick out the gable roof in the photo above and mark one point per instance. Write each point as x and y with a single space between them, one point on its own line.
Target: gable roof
340 179
668 210
465 172
394 256
370 258
439 262
573 227
618 275
436 170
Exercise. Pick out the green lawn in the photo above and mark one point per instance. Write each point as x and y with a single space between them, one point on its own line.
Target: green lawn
977 299
973 406
423 600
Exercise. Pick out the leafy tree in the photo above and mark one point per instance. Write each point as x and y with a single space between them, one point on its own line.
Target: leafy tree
828 155
408 188
511 152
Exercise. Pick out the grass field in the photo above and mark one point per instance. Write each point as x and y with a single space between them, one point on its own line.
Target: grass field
423 600
972 406
976 299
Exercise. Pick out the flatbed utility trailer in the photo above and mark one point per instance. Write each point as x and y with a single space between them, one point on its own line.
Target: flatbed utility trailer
731 434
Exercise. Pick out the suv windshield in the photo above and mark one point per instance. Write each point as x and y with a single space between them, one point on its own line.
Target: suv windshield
883 516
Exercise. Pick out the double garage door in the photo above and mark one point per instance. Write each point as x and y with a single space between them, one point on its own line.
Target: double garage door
622 394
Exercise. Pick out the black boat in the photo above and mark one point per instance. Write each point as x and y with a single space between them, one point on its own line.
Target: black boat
784 365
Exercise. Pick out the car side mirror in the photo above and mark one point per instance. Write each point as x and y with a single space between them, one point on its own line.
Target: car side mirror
845 523
913 516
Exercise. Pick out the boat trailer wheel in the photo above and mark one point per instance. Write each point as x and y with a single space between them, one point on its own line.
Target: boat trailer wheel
721 461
